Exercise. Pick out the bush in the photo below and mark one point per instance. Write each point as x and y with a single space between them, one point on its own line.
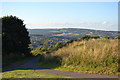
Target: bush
106 37
118 37
86 37
95 37
55 47
37 51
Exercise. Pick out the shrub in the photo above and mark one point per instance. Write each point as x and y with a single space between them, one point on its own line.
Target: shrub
86 37
95 37
106 37
118 37
37 51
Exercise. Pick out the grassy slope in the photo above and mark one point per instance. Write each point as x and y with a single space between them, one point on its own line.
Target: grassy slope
29 74
93 56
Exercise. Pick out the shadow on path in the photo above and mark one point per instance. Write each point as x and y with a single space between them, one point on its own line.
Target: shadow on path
30 65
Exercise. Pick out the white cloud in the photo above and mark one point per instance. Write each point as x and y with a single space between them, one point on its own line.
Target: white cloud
104 22
104 25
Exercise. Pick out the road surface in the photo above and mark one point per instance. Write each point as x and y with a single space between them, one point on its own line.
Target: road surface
31 65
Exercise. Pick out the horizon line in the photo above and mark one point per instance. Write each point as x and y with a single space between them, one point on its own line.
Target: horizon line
74 28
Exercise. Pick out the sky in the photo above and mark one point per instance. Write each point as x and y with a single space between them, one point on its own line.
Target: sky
88 15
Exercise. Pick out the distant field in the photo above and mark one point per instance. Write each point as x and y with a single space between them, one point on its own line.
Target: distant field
66 34
93 56
72 32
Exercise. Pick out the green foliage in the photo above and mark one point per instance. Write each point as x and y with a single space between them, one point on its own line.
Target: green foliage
37 51
95 37
29 74
106 37
56 46
46 48
31 47
86 37
15 37
45 45
118 37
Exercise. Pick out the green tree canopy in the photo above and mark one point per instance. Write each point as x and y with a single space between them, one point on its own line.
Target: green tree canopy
15 37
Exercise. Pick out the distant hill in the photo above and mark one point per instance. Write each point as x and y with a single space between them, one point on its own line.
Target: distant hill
72 32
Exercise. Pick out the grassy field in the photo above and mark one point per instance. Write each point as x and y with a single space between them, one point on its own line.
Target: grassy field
29 74
92 56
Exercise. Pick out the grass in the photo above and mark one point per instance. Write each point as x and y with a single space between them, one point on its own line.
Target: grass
29 74
34 75
92 56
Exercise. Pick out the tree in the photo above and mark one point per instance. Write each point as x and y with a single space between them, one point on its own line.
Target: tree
15 37
45 45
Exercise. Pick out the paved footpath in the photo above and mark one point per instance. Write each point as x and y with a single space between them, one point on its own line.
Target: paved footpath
31 65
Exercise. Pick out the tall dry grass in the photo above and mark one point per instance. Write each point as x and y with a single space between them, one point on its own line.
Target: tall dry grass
100 55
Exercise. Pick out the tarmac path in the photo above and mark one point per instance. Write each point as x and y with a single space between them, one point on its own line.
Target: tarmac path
31 65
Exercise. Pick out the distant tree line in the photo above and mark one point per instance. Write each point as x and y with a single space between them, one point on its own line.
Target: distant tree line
87 37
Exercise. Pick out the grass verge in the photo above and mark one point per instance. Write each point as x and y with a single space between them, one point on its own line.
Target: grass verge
29 74
34 75
77 69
